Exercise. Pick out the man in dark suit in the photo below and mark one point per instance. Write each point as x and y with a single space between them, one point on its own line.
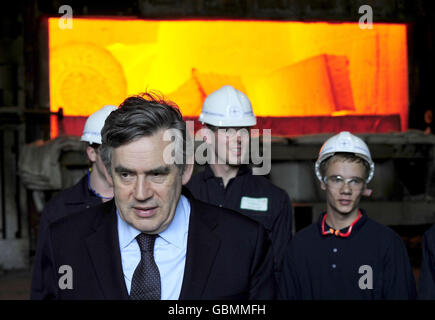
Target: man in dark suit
153 241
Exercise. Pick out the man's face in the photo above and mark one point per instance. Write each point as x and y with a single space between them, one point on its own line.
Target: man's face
97 163
146 188
232 145
100 167
343 198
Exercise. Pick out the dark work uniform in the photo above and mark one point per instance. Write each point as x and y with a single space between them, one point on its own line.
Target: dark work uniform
371 263
253 196
72 200
426 288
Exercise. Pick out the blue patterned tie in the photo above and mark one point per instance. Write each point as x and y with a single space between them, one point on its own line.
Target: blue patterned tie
145 284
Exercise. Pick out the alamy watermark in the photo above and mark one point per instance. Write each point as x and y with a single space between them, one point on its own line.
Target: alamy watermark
366 280
66 278
66 21
366 20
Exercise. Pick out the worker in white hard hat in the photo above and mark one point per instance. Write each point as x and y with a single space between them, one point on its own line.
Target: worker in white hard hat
97 174
346 255
92 189
228 181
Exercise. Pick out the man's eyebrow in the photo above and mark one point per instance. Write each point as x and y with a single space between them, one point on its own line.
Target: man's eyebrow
121 169
160 170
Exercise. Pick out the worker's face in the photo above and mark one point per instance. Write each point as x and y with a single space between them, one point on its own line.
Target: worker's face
100 167
343 197
231 145
146 188
97 163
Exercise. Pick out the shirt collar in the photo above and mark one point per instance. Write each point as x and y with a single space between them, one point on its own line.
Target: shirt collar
356 227
174 233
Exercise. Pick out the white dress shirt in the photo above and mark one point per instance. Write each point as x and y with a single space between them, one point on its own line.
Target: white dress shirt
169 251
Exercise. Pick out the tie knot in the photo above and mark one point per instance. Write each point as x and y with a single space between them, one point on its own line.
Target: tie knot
146 241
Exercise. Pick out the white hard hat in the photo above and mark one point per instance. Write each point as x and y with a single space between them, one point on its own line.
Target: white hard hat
94 124
345 142
227 107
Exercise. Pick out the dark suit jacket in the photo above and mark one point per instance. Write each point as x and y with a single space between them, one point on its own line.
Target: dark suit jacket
228 257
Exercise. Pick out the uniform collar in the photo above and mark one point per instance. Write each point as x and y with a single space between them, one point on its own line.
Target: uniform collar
355 227
244 169
80 193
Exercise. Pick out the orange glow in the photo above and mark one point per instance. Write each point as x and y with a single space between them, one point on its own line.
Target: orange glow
286 68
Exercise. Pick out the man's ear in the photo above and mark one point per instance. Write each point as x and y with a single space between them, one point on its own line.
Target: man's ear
322 185
92 155
187 174
367 192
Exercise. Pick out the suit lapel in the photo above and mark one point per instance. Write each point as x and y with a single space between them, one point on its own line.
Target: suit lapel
103 248
202 247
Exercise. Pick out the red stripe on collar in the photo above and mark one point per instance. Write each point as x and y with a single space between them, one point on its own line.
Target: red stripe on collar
338 233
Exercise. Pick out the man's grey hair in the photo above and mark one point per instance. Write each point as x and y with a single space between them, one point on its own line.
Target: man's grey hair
139 116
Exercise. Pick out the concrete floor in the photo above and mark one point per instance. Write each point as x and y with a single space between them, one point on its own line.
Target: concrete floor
15 285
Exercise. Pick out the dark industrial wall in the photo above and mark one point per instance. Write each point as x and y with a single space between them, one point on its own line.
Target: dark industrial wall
11 57
421 53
